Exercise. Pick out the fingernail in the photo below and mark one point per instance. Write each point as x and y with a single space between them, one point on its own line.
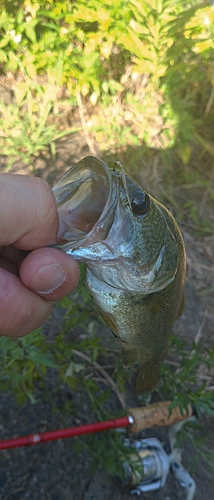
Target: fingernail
48 279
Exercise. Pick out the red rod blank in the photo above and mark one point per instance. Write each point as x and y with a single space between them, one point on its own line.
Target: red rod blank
64 433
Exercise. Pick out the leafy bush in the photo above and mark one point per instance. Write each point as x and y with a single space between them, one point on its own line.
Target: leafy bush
153 59
25 126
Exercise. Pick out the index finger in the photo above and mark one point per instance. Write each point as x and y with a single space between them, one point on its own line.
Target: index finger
28 213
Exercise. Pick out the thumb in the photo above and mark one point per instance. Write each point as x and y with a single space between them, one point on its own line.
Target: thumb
50 273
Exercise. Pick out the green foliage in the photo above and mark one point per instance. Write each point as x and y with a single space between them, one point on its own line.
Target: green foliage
183 385
153 58
25 128
200 441
22 362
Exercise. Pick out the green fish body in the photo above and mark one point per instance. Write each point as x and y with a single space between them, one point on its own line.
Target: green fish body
135 259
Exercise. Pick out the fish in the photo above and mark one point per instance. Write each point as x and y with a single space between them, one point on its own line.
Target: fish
134 255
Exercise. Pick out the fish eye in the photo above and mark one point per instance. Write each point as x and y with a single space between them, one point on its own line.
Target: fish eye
140 204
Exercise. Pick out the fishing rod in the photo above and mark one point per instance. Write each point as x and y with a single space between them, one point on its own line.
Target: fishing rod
137 419
155 462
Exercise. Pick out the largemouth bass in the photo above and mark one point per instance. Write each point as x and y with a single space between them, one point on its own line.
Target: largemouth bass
135 259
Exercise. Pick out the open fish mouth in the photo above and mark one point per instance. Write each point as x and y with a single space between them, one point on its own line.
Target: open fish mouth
86 198
98 227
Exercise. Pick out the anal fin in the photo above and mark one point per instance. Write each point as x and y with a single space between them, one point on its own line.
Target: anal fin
130 357
147 377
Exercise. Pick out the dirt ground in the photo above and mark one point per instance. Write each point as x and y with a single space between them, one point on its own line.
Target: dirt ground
51 471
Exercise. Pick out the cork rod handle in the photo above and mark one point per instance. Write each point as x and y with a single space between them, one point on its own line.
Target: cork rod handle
156 415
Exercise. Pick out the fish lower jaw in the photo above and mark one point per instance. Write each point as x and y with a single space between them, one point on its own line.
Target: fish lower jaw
112 280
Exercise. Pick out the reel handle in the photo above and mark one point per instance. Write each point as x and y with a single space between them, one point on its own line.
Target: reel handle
156 415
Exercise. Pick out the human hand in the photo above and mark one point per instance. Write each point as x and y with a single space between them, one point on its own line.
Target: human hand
28 286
